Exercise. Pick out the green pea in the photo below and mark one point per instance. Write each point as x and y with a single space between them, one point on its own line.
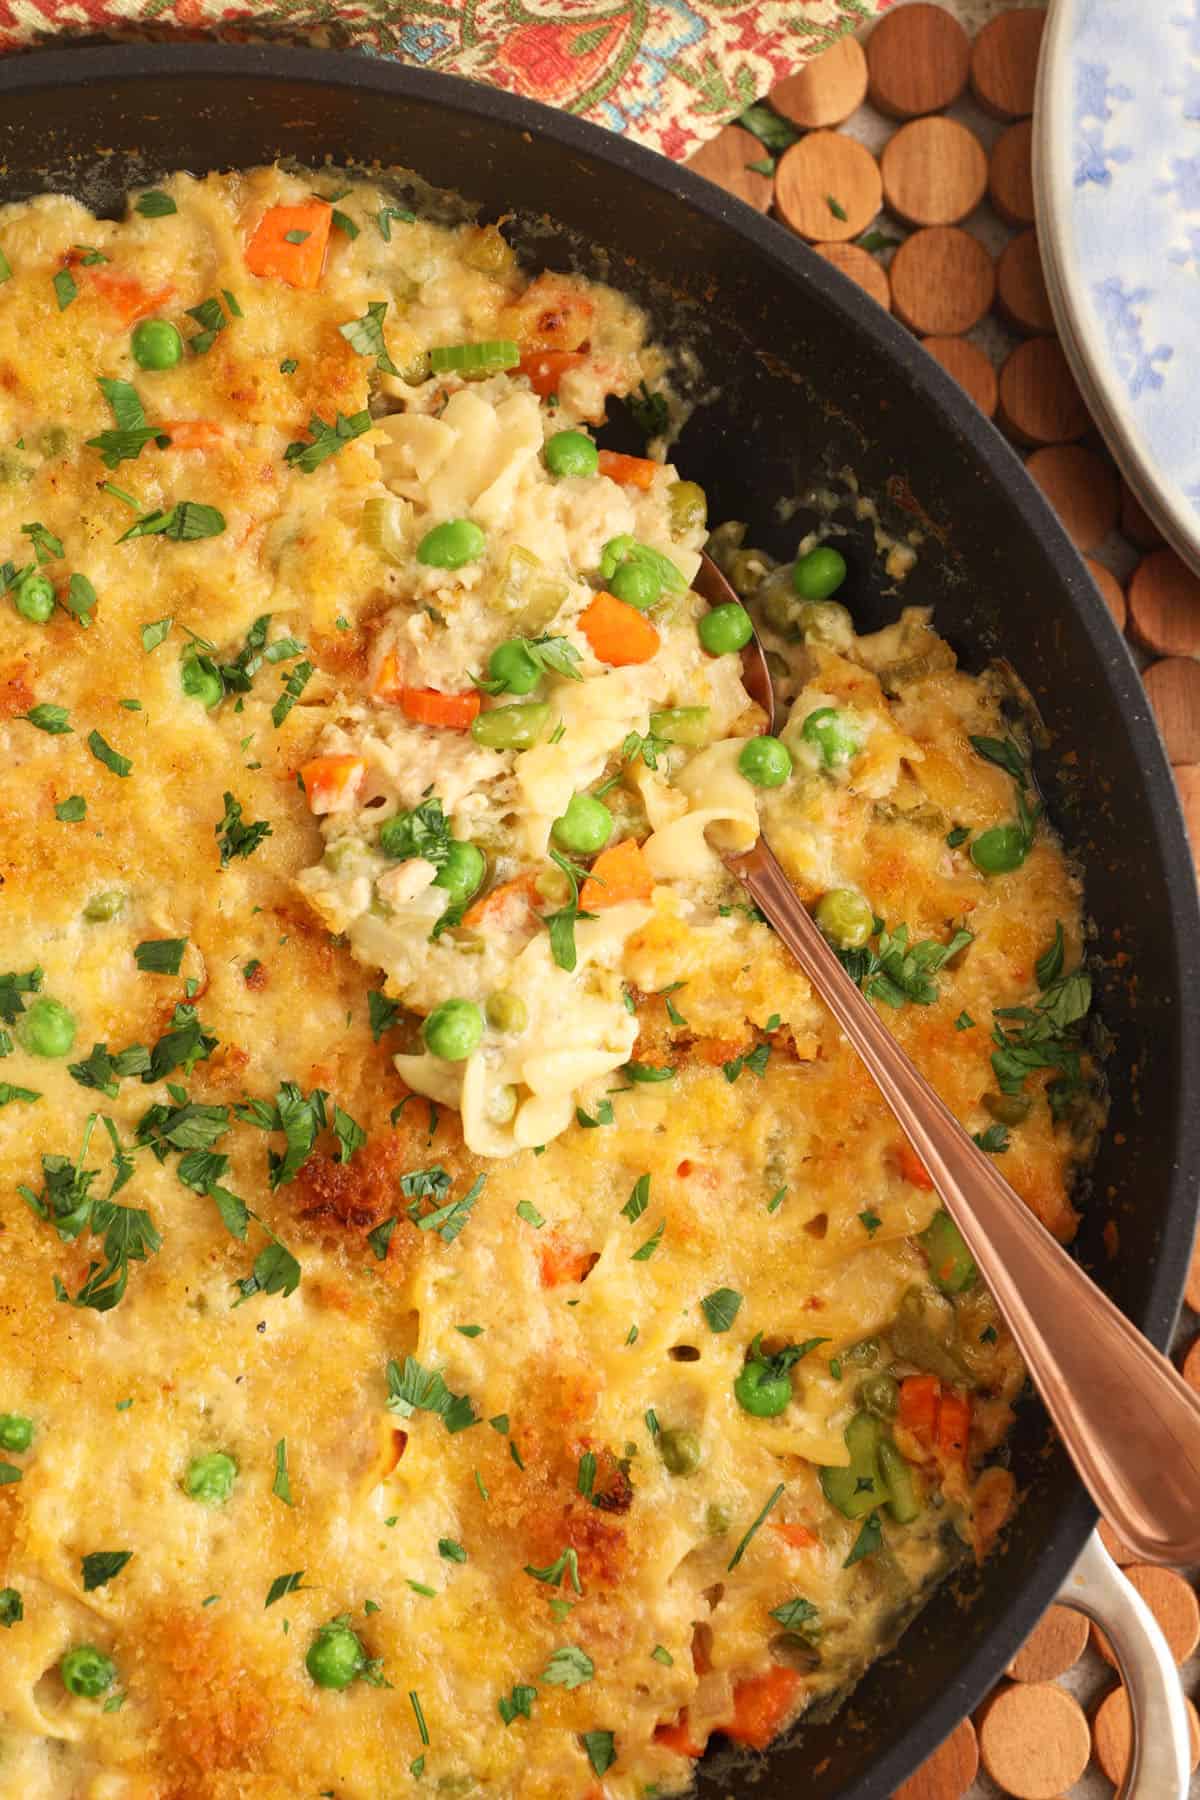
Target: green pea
680 1451
1010 1109
761 1390
585 827
1000 850
780 608
16 1432
511 727
54 440
725 629
462 872
845 918
335 1656
819 574
951 1265
833 735
453 1030
47 1028
717 1519
104 906
765 762
681 725
506 1012
687 508
155 344
880 1394
827 623
87 1672
571 453
512 664
637 585
199 680
864 1354
451 544
33 597
210 1478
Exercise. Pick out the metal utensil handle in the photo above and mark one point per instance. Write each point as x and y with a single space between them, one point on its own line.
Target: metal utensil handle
1160 1758
1129 1422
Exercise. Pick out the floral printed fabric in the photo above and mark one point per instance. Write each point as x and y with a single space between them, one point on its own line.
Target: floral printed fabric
666 72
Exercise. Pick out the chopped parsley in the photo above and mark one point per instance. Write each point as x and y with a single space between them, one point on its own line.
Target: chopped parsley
281 1487
183 522
104 753
12 1609
381 1012
451 1550
964 1022
414 1389
1046 1035
65 289
72 809
585 1480
569 1667
518 1704
757 1525
756 1061
896 972
777 1199
48 718
870 1222
131 434
9 1093
561 924
154 204
638 1200
721 1308
365 335
564 1566
160 956
102 1566
601 1749
154 633
649 412
294 684
528 1211
210 316
236 838
651 1244
380 1238
868 1541
1049 965
603 1116
555 654
774 132
799 1617
647 1072
994 1140
326 440
282 1585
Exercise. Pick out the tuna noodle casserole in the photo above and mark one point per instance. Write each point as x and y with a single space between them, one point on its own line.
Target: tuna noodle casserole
467 1323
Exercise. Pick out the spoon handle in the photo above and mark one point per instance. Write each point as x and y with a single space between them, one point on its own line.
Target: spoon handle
1130 1423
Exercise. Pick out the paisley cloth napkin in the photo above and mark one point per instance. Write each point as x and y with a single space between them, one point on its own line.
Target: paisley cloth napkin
668 73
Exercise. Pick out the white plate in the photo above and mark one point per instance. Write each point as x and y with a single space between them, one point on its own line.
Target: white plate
1117 188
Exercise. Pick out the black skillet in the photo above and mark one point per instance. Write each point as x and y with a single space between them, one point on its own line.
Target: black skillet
803 375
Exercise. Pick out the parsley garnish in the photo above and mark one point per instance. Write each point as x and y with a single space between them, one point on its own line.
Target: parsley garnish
210 316
800 1617
771 130
565 1564
327 440
738 1554
72 809
183 522
294 685
964 1022
384 217
103 1071
102 1566
896 971
132 434
569 1667
9 1093
646 1072
604 1116
64 289
12 1610
601 1749
518 1704
1049 965
756 1061
281 1487
160 956
283 1584
104 753
721 1308
45 545
651 1244
451 1550
958 836
528 1211
870 1222
868 1541
365 335
638 1200
154 633
561 924
235 838
1047 1036
424 832
585 1480
994 1140
154 204
835 206
555 654
414 1389
276 1271
381 1237
48 718
12 988
449 1219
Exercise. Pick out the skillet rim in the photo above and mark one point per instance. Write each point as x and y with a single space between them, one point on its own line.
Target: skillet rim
350 70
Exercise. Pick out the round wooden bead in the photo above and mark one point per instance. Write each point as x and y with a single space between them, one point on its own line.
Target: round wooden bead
1189 1368
942 281
970 367
860 266
1173 689
1164 605
949 1772
1111 591
828 187
1010 174
1187 780
1039 401
1112 1735
1004 60
1082 489
1021 287
827 89
1136 522
1055 1644
1034 1740
1117 1548
725 159
934 171
1173 1604
917 61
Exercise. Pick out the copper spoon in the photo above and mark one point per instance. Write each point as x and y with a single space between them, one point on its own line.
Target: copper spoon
1130 1424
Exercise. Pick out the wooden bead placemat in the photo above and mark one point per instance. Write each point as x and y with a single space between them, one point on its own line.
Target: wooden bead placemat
939 226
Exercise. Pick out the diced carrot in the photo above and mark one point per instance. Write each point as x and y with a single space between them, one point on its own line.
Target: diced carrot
911 1167
798 1536
621 873
273 248
193 434
630 471
618 634
389 678
560 1261
920 1402
760 1705
953 1427
517 895
129 296
546 368
678 1737
327 779
451 712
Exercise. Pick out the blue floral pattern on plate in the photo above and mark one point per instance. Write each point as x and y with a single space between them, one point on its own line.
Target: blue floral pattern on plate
1117 171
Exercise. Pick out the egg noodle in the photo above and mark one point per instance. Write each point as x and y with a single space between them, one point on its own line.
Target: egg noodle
468 1323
